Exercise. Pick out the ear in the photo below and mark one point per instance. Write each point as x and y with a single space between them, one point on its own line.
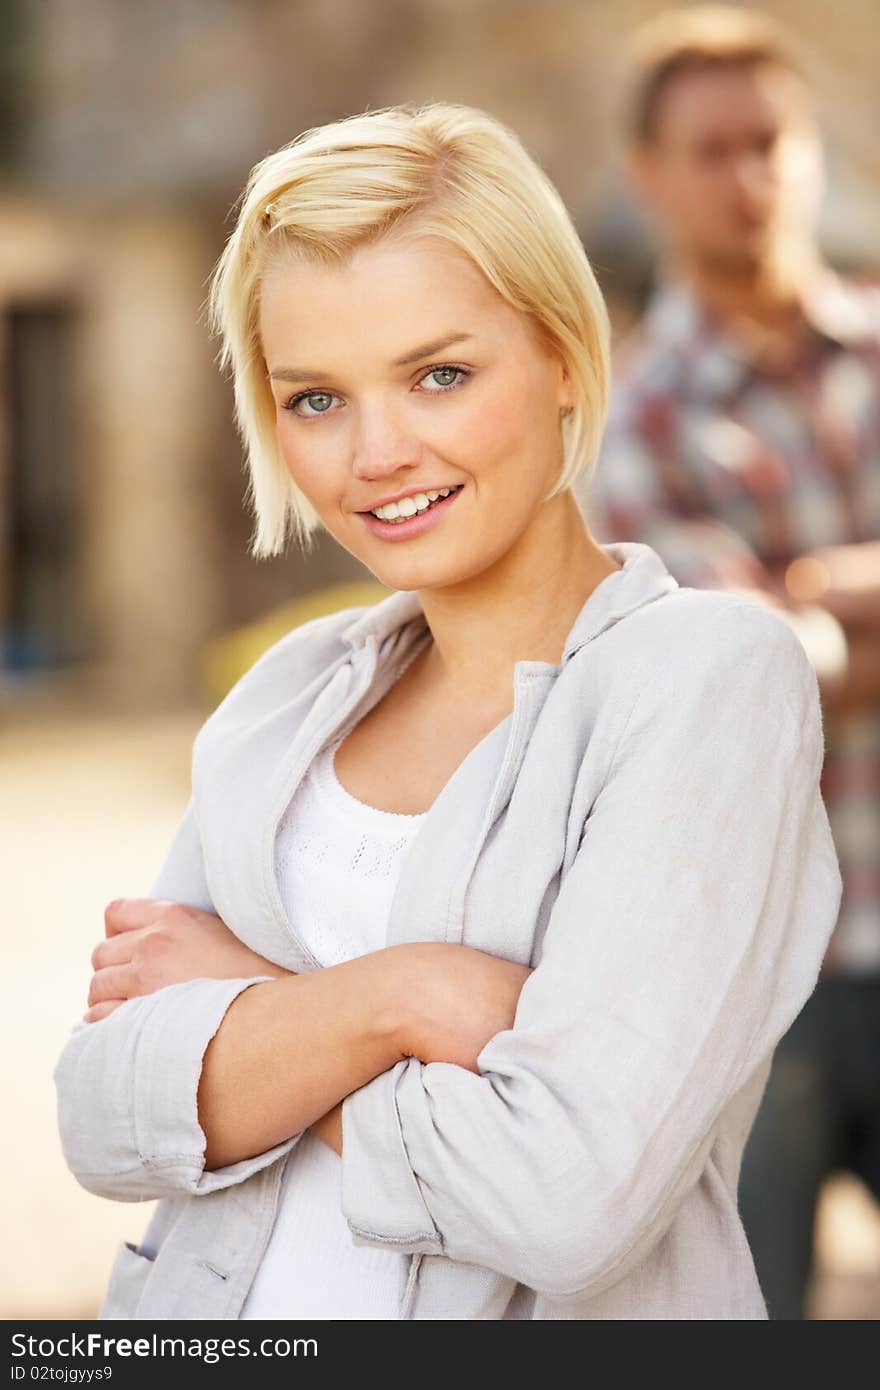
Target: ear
565 395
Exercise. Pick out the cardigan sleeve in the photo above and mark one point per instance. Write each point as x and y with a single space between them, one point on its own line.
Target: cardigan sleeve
127 1085
685 937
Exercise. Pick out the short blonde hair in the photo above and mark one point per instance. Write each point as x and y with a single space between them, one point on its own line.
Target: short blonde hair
678 41
439 169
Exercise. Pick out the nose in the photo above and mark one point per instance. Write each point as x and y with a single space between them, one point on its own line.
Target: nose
382 444
755 176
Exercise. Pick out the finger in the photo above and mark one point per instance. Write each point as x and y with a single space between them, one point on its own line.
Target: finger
116 950
100 1011
127 914
115 982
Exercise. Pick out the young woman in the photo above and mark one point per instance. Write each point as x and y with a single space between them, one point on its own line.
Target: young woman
458 989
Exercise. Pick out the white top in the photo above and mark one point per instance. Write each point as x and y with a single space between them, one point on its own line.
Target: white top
337 861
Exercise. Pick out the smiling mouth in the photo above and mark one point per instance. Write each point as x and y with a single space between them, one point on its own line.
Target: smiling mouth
433 498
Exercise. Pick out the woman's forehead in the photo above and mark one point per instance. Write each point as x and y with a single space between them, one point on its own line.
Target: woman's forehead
401 297
395 264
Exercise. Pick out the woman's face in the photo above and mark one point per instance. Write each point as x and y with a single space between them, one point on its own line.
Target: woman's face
403 372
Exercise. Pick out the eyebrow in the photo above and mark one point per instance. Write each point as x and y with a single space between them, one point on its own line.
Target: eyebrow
416 355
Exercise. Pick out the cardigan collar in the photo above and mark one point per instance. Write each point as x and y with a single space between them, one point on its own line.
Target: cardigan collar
643 578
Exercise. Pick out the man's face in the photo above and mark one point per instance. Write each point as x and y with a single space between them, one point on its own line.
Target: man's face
734 173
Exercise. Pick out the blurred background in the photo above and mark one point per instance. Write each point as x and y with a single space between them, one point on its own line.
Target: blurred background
128 601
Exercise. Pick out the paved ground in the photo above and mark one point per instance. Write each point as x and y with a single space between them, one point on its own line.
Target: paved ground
87 809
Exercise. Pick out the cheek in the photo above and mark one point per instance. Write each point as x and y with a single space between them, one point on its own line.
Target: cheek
697 181
307 465
503 431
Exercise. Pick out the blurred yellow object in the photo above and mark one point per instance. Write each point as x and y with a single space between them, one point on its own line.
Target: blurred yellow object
226 659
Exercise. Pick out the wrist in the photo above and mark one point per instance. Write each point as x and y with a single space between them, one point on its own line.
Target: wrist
392 993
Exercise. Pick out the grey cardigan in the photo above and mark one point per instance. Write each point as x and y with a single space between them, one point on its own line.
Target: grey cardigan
646 829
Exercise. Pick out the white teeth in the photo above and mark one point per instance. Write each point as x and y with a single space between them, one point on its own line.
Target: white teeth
408 506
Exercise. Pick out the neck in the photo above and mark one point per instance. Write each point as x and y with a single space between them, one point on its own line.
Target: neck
520 609
768 292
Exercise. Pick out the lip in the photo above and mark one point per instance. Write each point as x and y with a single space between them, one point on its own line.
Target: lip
399 496
414 525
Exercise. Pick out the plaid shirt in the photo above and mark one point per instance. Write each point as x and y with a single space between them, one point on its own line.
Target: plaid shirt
730 468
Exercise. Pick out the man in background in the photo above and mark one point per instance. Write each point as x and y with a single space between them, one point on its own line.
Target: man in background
744 446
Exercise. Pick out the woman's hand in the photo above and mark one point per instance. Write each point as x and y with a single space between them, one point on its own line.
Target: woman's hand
153 942
452 999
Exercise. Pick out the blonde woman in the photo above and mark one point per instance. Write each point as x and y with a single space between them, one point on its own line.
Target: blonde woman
457 992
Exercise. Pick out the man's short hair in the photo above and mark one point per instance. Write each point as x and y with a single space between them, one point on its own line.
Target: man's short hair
688 40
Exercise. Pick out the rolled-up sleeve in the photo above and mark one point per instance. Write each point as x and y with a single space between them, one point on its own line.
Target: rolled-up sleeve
685 938
127 1085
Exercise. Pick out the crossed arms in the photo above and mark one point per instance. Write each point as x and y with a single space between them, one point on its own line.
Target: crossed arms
685 937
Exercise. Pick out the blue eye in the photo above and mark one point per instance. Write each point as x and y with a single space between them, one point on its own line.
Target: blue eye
459 373
446 377
319 402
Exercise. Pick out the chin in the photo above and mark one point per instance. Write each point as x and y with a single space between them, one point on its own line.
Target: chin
427 572
409 577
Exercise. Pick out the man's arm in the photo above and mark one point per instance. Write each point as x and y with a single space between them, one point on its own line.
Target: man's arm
845 579
843 583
